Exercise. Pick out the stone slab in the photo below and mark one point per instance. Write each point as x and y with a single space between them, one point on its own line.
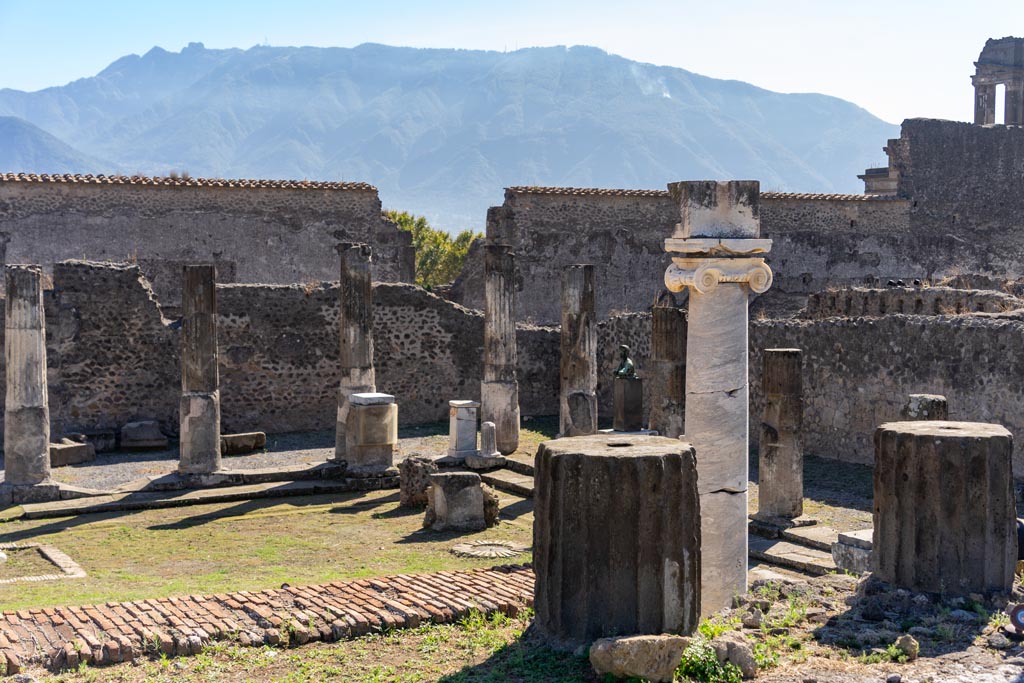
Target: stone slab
69 452
858 539
142 435
521 463
371 399
246 442
786 554
512 482
819 537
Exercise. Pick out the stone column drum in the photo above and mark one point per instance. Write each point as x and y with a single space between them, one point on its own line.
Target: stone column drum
499 390
944 511
199 409
667 376
616 538
578 400
355 328
26 411
717 255
780 450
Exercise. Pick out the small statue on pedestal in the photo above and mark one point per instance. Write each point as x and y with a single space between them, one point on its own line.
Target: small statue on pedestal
629 395
626 368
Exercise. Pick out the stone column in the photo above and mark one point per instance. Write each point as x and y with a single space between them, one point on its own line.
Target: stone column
944 511
616 538
355 327
1014 104
199 415
984 104
668 370
499 391
780 490
925 407
578 401
717 255
26 412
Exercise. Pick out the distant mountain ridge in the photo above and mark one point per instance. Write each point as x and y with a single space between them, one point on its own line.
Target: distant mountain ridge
440 132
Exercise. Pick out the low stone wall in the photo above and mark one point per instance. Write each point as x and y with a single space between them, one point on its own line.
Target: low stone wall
862 301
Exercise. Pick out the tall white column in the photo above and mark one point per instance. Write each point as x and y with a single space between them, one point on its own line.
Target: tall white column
716 250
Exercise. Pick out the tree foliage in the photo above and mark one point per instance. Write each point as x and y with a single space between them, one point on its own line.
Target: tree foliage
439 256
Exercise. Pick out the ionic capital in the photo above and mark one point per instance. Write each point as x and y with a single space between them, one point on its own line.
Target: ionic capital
703 274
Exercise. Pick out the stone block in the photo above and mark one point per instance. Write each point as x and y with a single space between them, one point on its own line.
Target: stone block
710 208
69 452
371 433
462 421
629 404
104 441
200 446
925 407
143 434
616 537
944 510
852 552
238 444
652 658
414 480
455 502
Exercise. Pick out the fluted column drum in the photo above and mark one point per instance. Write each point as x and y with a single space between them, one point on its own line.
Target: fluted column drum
944 513
616 538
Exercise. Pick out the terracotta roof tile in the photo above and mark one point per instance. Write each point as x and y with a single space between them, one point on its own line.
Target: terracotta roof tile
165 181
597 191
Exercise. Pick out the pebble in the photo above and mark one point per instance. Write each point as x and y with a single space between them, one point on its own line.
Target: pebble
998 641
893 678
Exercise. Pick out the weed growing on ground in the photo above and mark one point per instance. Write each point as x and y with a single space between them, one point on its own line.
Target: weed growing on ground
700 663
713 627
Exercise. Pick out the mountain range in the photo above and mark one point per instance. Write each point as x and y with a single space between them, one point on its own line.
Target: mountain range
440 132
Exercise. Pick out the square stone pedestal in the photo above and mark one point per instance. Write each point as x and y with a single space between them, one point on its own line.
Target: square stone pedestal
371 433
462 421
629 404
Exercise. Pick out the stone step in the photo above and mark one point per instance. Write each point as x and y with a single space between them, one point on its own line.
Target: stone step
168 499
507 480
521 463
818 537
786 554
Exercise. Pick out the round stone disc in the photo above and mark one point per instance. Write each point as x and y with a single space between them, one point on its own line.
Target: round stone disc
490 549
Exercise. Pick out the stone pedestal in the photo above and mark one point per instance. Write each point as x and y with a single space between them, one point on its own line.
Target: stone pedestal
578 393
199 408
780 490
717 256
26 411
629 404
616 538
667 376
462 419
944 512
499 391
371 434
455 502
925 407
355 330
489 457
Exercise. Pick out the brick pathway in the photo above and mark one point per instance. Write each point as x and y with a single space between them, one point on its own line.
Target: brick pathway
62 637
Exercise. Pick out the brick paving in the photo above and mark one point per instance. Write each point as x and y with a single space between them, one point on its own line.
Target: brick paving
63 637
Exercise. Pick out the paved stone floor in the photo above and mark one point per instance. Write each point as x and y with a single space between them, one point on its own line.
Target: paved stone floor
63 637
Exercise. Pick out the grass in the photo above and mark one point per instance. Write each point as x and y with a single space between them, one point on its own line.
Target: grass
477 649
26 562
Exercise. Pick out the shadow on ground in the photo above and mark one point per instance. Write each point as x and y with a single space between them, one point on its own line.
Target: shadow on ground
526 660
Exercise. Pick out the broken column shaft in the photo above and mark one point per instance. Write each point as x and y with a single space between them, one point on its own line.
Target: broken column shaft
717 255
199 415
355 327
26 411
499 391
780 491
668 370
578 400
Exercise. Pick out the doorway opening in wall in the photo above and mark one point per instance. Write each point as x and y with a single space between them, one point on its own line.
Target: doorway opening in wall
1000 104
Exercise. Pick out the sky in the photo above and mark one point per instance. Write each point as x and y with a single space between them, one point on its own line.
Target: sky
898 59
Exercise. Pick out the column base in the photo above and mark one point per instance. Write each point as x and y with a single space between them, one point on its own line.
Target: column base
499 403
200 432
340 428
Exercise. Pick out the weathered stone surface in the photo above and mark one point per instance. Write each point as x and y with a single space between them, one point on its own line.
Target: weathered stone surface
488 456
667 373
414 480
200 432
780 492
944 511
355 330
653 658
69 452
492 505
462 421
199 407
925 407
455 502
371 433
239 444
616 538
578 405
852 552
27 412
734 647
629 405
499 391
142 434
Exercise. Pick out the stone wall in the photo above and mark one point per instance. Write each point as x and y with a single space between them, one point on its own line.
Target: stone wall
257 231
862 301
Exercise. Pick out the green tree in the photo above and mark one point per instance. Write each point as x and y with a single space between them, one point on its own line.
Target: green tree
439 256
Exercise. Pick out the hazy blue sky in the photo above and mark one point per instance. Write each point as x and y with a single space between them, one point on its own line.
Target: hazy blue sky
897 59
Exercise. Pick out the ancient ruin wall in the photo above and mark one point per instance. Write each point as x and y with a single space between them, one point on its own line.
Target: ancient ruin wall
279 233
820 240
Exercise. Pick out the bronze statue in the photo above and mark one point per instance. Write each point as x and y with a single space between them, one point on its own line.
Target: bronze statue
626 368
